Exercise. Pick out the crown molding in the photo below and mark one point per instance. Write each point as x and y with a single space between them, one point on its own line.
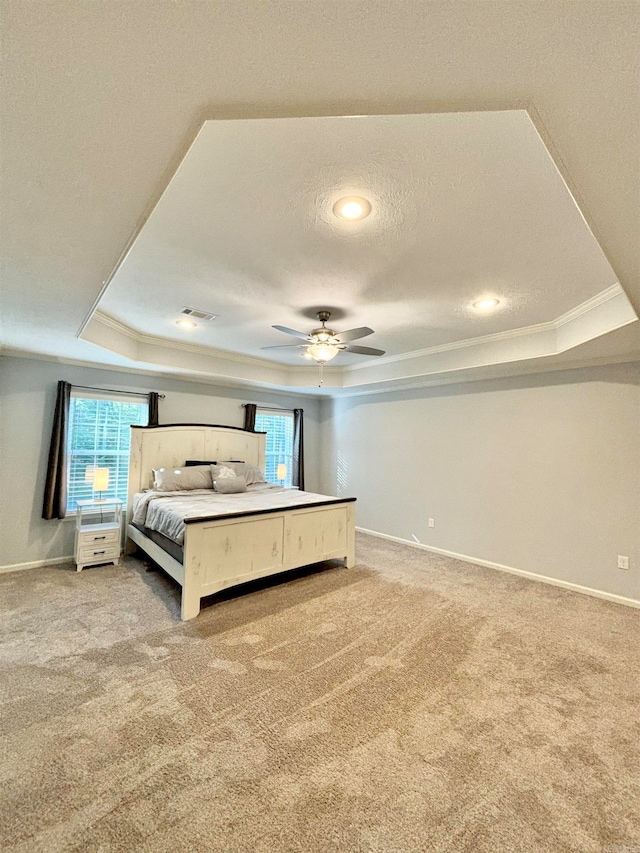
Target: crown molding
613 292
487 373
410 383
182 358
198 349
510 334
600 314
143 370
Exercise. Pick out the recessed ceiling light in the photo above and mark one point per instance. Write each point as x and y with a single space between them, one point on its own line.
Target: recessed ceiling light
352 208
485 304
186 324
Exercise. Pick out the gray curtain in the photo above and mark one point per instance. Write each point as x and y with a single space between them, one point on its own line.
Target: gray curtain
154 397
250 410
297 475
55 490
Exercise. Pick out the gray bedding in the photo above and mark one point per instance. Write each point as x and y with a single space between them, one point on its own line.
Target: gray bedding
166 512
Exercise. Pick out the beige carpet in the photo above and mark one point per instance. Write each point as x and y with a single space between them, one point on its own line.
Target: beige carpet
413 703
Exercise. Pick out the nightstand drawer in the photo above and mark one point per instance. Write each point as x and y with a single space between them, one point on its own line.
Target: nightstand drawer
97 554
99 538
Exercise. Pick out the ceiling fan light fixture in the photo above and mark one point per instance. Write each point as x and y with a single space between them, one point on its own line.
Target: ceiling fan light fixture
323 344
352 208
322 352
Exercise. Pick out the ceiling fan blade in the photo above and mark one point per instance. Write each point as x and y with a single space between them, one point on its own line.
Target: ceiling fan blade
364 350
353 334
292 332
287 346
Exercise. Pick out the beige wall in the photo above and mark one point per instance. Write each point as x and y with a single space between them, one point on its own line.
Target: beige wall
539 473
27 399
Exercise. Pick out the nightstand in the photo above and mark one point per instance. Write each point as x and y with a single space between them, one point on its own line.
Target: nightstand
98 532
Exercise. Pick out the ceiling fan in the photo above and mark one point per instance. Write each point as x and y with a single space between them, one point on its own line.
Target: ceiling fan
323 344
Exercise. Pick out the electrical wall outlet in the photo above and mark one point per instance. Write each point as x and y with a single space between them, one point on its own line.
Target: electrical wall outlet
432 523
623 562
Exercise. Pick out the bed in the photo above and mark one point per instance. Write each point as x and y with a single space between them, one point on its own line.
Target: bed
241 539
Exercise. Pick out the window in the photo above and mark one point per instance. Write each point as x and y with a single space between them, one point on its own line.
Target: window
99 437
279 445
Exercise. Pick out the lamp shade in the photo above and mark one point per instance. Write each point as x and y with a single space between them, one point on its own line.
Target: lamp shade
323 352
101 479
282 471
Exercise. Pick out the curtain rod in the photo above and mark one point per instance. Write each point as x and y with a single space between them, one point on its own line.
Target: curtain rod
114 391
267 408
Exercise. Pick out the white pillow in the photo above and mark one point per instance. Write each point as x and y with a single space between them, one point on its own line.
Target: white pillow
182 479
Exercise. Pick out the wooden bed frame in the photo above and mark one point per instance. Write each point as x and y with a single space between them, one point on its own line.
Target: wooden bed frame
228 550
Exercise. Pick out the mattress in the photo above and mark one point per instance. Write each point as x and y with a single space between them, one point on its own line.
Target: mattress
172 548
168 513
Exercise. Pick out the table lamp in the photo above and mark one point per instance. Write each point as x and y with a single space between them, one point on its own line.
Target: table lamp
101 481
281 473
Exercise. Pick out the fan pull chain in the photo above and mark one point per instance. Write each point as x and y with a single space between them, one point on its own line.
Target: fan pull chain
321 374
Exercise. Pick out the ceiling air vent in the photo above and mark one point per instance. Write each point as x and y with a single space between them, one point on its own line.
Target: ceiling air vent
200 315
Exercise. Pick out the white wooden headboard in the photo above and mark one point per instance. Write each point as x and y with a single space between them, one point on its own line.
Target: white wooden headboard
170 445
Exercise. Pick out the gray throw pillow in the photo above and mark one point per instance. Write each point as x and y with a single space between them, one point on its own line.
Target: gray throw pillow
230 485
251 473
179 479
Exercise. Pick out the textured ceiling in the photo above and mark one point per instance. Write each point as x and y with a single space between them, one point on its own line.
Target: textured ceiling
100 102
465 205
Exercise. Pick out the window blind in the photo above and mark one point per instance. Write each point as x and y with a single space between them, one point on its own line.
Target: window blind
279 443
100 437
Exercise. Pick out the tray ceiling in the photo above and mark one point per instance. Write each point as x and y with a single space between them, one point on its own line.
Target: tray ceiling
464 206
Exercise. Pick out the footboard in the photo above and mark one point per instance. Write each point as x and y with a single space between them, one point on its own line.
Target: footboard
227 552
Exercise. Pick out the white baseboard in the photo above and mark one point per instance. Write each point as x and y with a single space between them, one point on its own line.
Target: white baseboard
573 587
36 564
